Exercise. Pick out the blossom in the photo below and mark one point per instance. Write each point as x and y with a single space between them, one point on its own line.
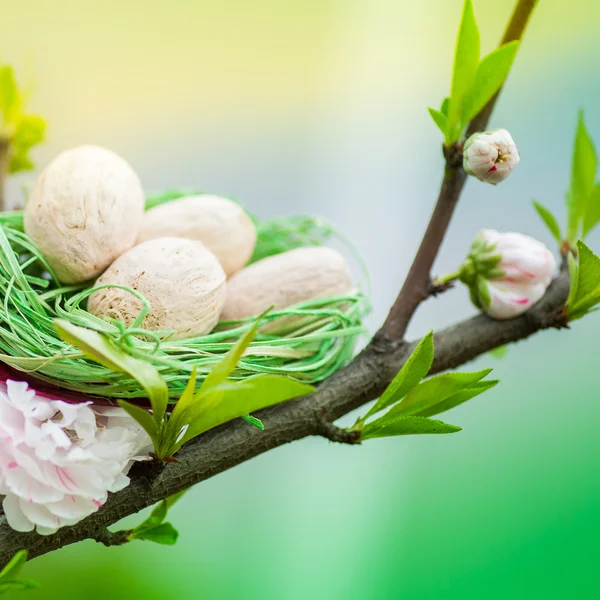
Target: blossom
490 156
59 461
508 300
507 272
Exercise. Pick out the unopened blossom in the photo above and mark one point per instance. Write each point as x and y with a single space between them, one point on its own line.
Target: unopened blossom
507 272
490 156
59 461
508 300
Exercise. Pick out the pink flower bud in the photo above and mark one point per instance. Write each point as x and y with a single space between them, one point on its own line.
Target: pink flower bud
507 272
490 156
522 258
509 300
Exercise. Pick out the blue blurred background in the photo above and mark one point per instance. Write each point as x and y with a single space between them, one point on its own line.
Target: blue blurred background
320 106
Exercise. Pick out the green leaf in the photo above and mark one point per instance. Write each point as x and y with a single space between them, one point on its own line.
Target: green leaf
466 59
164 534
435 391
30 132
592 213
550 221
499 352
456 399
186 400
14 567
583 175
254 394
254 422
223 369
411 373
9 581
489 77
145 420
100 348
9 96
573 279
406 426
20 162
585 286
445 107
440 119
18 585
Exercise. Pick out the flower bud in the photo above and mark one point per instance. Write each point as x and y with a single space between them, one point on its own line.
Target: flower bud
507 272
490 156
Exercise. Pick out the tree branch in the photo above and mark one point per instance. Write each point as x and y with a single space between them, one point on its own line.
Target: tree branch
361 381
416 286
235 442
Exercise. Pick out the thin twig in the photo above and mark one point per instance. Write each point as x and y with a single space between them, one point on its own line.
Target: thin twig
415 287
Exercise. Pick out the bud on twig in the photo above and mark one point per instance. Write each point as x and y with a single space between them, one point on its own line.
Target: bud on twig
506 272
490 156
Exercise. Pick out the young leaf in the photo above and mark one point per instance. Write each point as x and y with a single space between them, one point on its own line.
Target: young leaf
583 175
30 131
254 394
440 119
9 96
145 420
100 348
585 289
550 221
445 107
13 569
405 426
592 213
466 59
164 534
9 576
573 279
223 369
456 399
489 77
413 370
434 391
499 352
186 400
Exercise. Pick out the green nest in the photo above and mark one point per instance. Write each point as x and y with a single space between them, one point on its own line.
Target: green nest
308 341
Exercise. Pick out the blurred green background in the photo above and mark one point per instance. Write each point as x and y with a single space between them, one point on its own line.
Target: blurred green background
320 106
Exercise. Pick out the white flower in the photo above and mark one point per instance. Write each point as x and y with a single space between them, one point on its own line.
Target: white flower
507 272
490 156
58 461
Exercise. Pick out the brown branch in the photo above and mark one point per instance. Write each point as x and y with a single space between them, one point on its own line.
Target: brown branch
416 285
227 446
360 382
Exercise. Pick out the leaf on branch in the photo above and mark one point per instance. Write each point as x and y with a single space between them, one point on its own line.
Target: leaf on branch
583 175
466 59
154 529
9 576
440 119
433 392
409 376
584 295
394 426
592 214
550 221
489 77
101 349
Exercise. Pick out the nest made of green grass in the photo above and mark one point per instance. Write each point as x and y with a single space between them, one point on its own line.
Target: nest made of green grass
308 341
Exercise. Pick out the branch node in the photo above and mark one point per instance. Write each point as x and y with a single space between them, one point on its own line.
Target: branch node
112 538
337 434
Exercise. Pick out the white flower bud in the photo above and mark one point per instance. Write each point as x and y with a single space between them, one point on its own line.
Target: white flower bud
507 272
522 258
508 300
490 156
